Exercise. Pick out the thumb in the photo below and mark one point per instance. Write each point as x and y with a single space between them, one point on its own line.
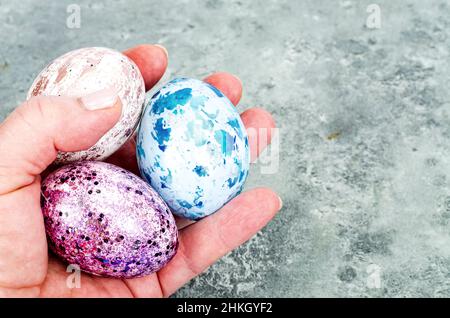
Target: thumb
32 135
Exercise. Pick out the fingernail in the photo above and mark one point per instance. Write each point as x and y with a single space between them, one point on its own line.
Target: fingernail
164 49
104 98
281 204
240 81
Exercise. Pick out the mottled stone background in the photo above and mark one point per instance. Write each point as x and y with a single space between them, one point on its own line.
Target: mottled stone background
364 114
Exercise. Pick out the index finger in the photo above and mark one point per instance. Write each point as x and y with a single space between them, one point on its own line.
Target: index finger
151 60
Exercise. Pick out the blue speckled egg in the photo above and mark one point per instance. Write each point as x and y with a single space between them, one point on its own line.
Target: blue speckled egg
192 147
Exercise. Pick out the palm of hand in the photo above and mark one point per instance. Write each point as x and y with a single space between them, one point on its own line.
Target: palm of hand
26 267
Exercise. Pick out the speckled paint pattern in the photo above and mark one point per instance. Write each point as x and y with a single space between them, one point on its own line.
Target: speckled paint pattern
107 220
192 147
83 71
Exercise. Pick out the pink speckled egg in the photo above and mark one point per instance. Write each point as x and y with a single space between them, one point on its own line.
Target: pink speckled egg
88 70
107 220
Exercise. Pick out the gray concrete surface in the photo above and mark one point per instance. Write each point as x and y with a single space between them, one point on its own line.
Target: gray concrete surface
365 128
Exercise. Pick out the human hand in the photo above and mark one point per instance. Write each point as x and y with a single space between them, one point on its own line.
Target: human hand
29 140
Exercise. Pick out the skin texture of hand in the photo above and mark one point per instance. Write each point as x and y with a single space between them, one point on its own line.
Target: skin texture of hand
29 140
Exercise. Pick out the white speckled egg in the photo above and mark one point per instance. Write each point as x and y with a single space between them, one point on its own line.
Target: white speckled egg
192 147
84 71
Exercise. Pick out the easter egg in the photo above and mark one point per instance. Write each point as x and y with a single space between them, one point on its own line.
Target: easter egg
107 220
192 147
88 70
